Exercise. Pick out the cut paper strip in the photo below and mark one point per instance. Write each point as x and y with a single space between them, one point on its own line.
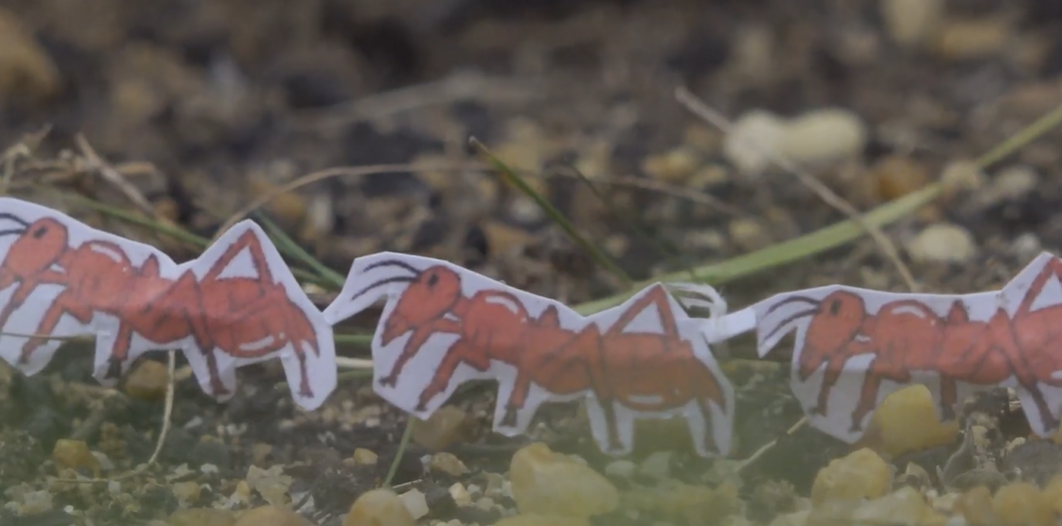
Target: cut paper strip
236 304
853 347
444 325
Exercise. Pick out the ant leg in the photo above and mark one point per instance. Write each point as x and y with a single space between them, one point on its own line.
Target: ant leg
517 398
251 242
186 297
65 303
120 351
834 366
415 342
868 397
460 352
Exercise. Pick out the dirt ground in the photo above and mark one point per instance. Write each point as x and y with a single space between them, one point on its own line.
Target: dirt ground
205 105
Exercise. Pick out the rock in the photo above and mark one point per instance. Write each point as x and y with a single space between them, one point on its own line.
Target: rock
379 507
27 73
621 469
1013 183
147 380
822 136
448 463
271 516
962 176
798 518
751 142
897 176
1022 504
943 243
748 234
364 457
909 22
542 520
657 465
272 484
460 495
971 39
861 474
445 427
186 492
675 166
73 454
905 506
415 502
907 421
201 517
681 503
550 483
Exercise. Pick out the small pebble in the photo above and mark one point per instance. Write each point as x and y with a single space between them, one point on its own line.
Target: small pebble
26 70
460 495
971 39
364 457
861 474
542 520
898 176
186 492
907 421
675 166
621 468
943 243
909 22
962 175
905 506
202 517
415 502
147 381
443 428
1022 504
546 482
379 507
448 463
752 140
73 454
823 135
657 465
748 234
271 516
1014 183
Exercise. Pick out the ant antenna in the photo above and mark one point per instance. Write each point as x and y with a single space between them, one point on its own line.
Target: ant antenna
14 231
393 263
793 299
382 282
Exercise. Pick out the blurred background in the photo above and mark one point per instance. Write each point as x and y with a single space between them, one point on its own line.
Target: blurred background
201 107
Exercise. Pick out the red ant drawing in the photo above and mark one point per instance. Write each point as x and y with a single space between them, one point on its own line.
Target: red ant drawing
906 335
246 318
654 370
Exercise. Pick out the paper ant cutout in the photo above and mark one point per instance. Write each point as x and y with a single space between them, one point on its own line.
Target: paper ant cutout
236 304
852 340
444 325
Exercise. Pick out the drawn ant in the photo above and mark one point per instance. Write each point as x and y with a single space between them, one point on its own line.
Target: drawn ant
243 317
906 335
642 371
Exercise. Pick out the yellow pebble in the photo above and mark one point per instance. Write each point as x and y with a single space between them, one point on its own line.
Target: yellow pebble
860 475
1022 504
906 421
379 507
73 454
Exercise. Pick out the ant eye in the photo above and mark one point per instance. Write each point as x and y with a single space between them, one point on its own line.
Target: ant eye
39 233
433 279
835 307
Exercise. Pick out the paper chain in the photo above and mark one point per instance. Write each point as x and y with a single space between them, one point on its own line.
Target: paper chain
443 325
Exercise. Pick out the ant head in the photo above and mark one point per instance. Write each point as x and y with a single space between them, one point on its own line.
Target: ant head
39 246
834 324
428 297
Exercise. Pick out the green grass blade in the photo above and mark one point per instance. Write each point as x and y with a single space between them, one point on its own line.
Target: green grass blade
670 254
510 176
786 252
288 245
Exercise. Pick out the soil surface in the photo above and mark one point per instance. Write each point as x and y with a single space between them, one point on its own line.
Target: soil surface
202 106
